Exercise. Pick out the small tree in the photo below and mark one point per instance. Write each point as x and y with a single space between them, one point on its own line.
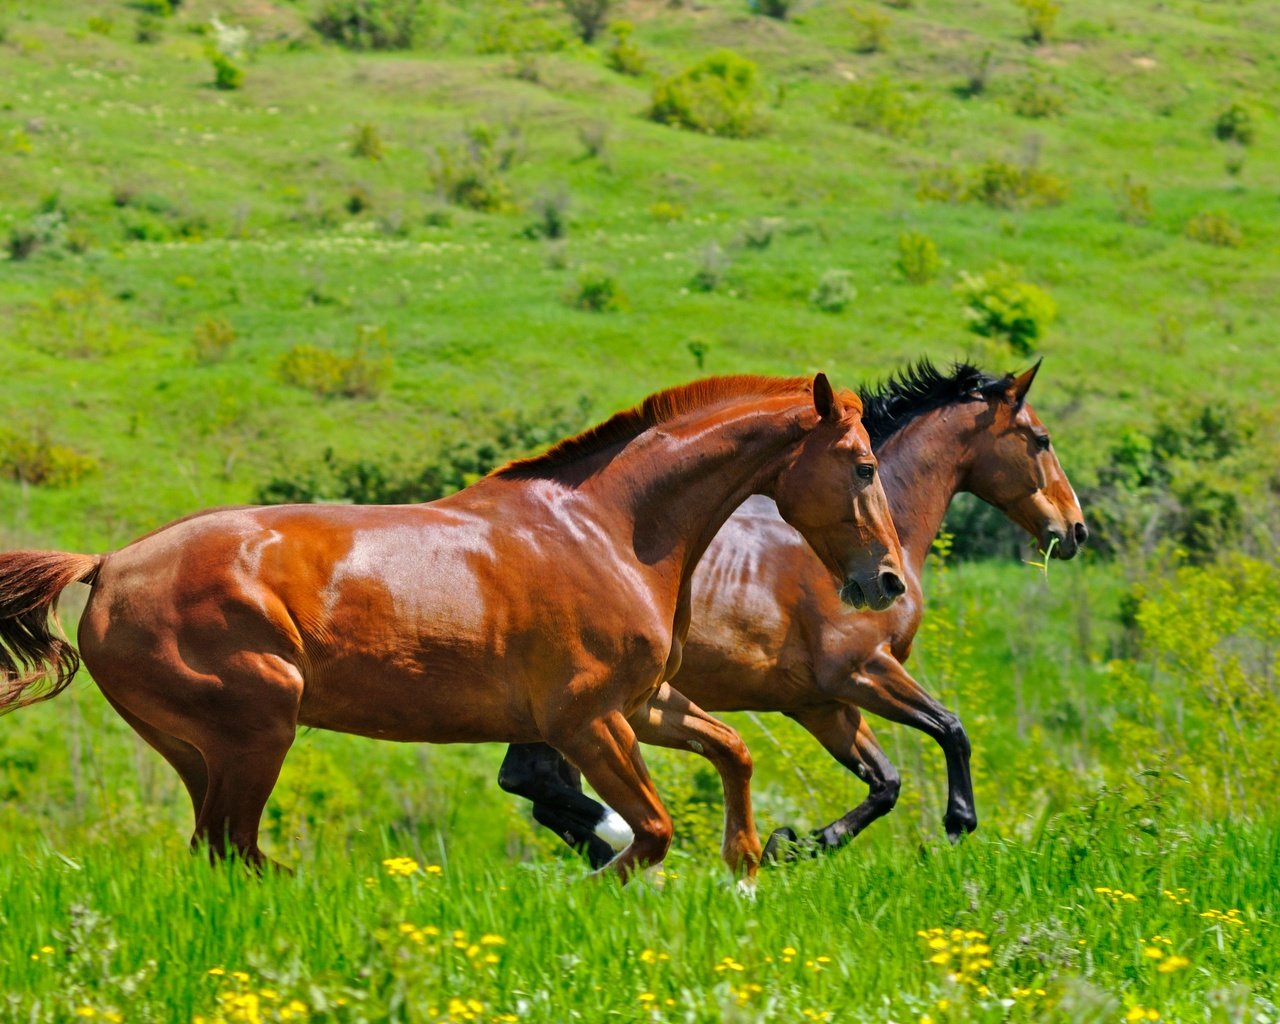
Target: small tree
589 16
998 304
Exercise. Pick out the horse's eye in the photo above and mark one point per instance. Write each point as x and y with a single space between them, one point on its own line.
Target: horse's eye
1042 442
866 471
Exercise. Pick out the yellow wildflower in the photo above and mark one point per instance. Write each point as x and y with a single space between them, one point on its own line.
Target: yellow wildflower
1173 963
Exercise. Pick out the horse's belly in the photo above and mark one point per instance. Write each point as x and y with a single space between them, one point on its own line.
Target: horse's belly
444 701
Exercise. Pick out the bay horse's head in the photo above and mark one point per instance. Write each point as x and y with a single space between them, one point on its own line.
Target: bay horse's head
830 491
1015 468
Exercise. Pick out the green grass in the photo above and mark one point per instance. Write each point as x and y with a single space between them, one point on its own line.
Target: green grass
1100 759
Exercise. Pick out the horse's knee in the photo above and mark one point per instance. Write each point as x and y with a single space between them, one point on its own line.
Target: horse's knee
952 734
736 755
653 839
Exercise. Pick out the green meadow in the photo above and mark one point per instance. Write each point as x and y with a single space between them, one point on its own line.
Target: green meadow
404 264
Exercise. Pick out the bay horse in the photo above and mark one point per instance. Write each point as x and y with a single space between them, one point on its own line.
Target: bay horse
547 602
768 636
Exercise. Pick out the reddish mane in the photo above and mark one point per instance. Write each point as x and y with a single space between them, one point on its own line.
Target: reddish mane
662 407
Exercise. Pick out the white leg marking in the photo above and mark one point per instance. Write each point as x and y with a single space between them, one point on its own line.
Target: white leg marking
613 830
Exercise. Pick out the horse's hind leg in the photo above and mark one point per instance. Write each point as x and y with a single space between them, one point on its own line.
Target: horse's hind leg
185 759
540 774
846 736
672 720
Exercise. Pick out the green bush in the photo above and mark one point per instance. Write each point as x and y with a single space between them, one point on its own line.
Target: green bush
1042 18
1039 96
998 304
777 9
473 173
148 28
552 215
31 458
459 464
1182 482
1213 227
588 16
1133 201
623 55
835 290
598 291
1005 186
519 28
720 95
227 74
366 143
871 28
361 373
918 259
712 268
212 340
1235 124
879 106
373 24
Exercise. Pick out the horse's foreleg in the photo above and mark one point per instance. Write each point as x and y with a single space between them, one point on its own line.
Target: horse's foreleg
605 750
883 687
844 733
672 720
541 775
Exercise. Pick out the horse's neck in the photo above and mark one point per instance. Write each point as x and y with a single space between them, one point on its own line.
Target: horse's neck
922 468
680 483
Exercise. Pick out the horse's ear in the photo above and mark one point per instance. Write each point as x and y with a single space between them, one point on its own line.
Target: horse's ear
824 399
1021 384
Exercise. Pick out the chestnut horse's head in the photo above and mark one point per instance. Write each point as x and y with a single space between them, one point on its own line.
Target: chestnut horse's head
1016 469
830 491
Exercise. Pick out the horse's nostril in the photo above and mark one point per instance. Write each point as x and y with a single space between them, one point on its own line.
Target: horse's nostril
891 583
1081 532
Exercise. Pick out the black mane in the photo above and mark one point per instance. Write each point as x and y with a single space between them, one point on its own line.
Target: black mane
920 388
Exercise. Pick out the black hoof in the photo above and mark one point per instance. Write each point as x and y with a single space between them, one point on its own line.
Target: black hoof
959 825
782 847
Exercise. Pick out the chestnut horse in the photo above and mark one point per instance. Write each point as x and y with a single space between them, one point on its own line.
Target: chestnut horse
547 602
767 636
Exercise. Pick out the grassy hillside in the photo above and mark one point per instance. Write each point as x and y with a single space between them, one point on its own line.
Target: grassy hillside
175 258
192 203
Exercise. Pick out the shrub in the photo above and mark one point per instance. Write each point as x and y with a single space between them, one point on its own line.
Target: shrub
879 106
941 185
1212 227
1037 97
148 28
1235 124
665 211
373 24
720 95
1042 17
589 16
360 373
552 210
366 142
598 291
212 340
594 136
34 459
457 465
758 233
712 268
1180 482
1004 186
227 74
918 259
623 55
518 27
100 25
979 76
1133 201
778 9
872 29
472 174
1000 305
834 292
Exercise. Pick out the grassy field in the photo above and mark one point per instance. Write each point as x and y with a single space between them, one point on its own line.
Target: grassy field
170 250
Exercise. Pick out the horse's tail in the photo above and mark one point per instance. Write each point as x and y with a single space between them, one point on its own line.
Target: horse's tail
36 661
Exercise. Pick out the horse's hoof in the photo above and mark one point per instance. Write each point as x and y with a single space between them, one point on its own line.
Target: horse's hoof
781 848
958 825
